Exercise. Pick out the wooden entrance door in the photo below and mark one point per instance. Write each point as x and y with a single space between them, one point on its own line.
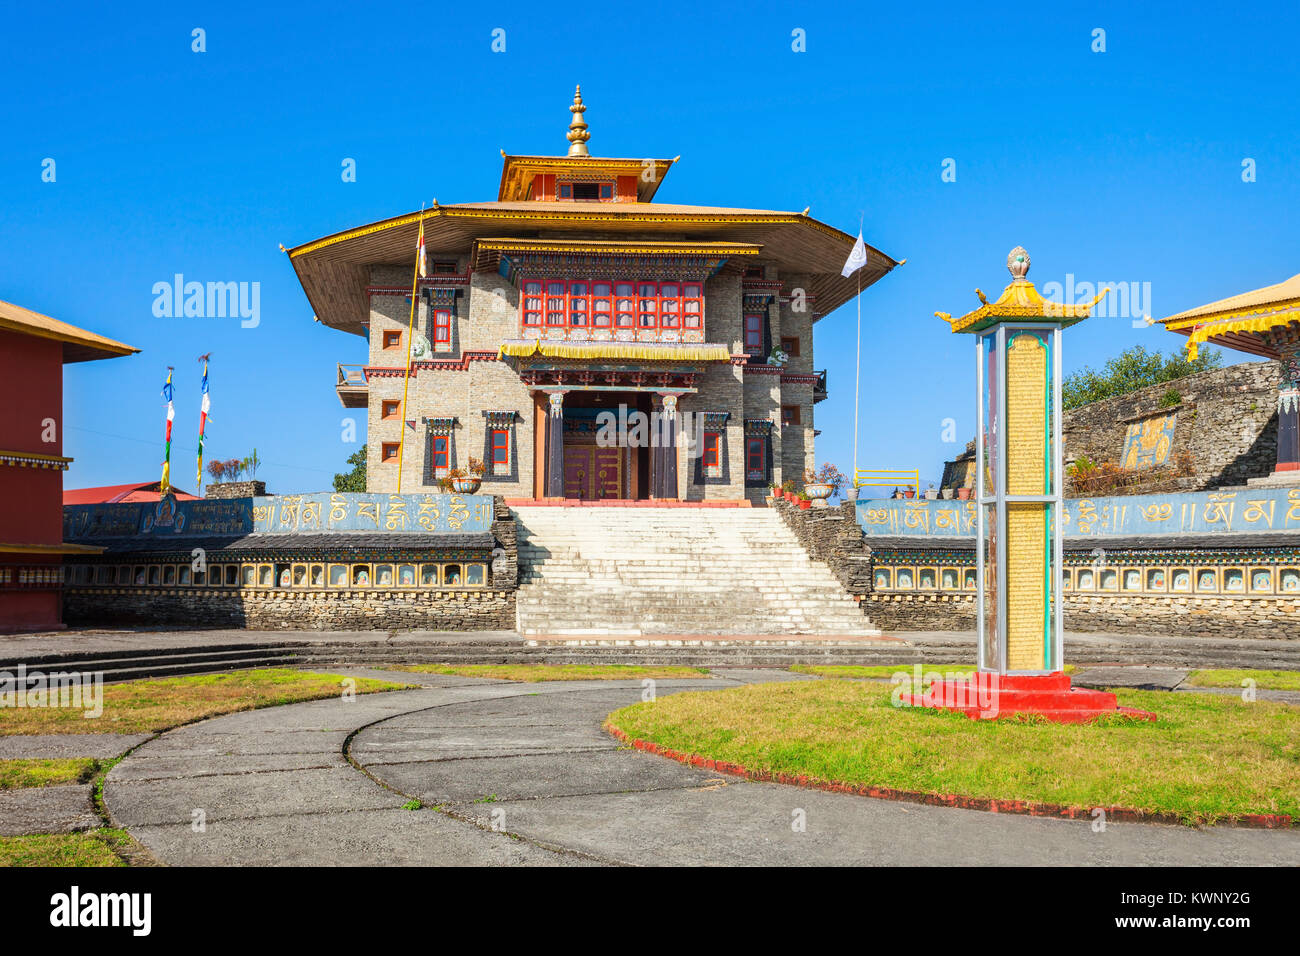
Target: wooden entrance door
592 472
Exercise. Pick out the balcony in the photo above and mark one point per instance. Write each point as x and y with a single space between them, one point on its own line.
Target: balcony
353 389
819 389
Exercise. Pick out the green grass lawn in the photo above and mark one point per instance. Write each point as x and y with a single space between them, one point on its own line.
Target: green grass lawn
149 706
1209 756
91 848
533 673
17 774
1264 680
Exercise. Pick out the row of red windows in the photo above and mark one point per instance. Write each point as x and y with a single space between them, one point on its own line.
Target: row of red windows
606 303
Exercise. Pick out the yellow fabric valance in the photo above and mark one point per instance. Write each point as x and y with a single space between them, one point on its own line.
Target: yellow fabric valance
1260 323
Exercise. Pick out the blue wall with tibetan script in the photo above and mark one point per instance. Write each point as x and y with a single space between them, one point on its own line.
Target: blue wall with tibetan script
281 514
1201 512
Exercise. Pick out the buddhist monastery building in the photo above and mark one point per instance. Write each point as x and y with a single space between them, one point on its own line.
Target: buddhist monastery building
577 292
33 351
1265 322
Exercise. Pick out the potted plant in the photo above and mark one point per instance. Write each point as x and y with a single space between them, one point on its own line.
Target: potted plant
804 501
909 493
930 493
787 489
963 494
823 484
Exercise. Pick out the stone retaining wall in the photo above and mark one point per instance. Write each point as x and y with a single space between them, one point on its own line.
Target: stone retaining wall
294 610
235 489
832 535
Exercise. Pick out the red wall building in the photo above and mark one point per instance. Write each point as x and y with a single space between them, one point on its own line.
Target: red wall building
33 350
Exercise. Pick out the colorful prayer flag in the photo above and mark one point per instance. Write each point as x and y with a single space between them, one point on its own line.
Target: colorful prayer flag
419 248
203 418
165 486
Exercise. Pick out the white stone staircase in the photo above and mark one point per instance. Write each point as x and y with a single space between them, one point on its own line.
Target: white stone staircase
674 571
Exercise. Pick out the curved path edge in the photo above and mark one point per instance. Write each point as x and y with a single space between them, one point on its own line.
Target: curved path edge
1114 814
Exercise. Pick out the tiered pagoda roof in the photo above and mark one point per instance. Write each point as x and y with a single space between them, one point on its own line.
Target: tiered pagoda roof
334 270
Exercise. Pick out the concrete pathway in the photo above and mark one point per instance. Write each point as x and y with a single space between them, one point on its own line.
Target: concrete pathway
526 776
57 809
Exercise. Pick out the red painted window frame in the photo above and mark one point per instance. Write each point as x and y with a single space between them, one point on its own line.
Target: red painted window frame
608 300
549 296
631 310
441 452
698 315
385 414
442 325
541 303
392 339
754 336
384 449
712 449
503 446
571 312
755 448
794 416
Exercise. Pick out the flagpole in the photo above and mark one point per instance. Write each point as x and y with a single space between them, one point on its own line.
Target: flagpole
857 377
410 330
857 353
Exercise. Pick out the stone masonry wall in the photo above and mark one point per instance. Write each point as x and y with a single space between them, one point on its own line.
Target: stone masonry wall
235 489
368 609
831 535
1227 421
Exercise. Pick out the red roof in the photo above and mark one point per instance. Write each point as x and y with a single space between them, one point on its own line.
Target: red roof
112 494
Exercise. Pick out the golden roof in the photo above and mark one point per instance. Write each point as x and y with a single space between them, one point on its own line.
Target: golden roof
335 270
1240 321
488 252
78 344
1020 301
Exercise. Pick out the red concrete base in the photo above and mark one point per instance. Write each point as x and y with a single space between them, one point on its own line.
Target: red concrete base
989 696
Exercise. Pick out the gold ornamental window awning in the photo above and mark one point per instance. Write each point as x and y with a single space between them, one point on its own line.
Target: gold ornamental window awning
638 351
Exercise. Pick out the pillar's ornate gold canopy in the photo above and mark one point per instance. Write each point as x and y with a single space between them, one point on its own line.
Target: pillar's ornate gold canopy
1020 302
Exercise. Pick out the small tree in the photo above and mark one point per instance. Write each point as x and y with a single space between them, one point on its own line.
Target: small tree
217 469
354 480
251 463
234 469
1130 370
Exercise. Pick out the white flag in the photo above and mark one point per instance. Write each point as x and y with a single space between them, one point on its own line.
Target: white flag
857 258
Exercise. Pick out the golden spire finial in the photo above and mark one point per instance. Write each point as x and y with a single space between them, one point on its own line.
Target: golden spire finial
578 134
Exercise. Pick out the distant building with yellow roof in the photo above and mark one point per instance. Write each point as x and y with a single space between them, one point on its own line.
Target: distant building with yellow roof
1265 322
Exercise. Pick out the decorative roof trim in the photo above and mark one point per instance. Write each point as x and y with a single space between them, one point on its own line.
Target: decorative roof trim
24 459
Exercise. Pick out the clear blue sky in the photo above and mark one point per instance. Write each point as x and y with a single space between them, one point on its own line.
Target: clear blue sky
1115 166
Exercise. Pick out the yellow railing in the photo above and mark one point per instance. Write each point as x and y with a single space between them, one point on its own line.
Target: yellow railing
881 477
